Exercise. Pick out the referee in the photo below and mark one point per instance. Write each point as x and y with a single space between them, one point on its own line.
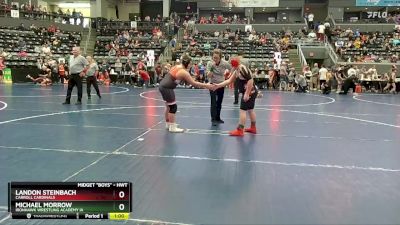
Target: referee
216 70
77 69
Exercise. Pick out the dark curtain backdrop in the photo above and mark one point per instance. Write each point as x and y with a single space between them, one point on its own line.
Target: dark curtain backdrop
150 8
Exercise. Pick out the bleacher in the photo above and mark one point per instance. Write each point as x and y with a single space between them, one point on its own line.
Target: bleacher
11 35
376 49
256 52
259 56
105 37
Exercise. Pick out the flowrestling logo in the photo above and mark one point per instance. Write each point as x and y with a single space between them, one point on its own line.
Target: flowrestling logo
380 15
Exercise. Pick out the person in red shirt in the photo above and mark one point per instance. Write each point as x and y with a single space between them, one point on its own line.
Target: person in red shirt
155 30
219 19
141 65
144 75
62 71
51 29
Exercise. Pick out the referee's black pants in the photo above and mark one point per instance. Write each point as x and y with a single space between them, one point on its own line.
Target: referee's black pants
73 80
216 103
347 84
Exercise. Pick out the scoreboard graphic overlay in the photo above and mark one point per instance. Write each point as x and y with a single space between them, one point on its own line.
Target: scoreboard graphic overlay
70 200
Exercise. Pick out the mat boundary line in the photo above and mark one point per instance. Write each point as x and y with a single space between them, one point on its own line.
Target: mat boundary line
299 164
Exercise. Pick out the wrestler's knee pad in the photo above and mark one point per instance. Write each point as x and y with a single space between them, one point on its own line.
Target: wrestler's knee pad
173 108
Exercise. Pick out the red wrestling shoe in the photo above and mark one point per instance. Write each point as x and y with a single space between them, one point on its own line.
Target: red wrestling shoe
237 133
252 130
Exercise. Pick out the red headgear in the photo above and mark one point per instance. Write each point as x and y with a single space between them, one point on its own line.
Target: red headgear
235 62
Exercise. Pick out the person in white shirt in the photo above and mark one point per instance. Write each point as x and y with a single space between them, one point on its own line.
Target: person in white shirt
252 36
301 83
373 72
46 50
307 74
348 31
322 75
118 67
310 19
277 62
358 72
339 44
312 35
3 53
364 74
366 78
321 32
352 72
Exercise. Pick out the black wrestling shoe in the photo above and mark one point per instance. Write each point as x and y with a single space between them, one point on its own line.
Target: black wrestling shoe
220 121
78 103
66 103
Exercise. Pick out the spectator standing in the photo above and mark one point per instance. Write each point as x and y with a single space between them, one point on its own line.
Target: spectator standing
321 31
322 75
314 78
310 19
